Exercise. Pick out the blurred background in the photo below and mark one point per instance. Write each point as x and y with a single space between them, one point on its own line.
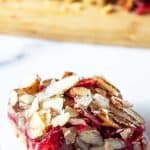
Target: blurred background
21 57
127 68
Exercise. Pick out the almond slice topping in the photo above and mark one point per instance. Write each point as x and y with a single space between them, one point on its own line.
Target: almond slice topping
60 120
61 86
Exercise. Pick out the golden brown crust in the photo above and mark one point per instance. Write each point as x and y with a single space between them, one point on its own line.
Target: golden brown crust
52 20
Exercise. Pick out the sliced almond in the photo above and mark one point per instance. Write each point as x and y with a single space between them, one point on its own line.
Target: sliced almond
101 92
120 103
116 103
79 91
122 120
31 87
101 101
60 120
134 115
91 137
46 116
70 135
107 120
26 99
34 108
41 96
35 105
36 126
125 116
61 86
71 111
82 96
55 103
107 86
83 101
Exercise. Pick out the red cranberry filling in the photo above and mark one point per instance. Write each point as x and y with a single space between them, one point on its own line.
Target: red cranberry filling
88 83
51 141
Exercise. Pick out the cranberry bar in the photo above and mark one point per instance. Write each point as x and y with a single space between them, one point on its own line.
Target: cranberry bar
75 113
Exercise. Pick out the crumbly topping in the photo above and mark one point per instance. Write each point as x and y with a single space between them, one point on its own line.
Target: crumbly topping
83 107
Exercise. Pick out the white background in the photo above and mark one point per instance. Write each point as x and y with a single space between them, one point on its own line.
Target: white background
127 68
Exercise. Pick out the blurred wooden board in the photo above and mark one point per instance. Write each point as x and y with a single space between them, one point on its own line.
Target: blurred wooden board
53 20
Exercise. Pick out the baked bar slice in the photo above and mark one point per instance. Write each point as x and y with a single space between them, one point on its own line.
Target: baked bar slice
75 113
94 21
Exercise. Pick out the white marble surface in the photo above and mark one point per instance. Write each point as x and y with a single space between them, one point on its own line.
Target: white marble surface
127 68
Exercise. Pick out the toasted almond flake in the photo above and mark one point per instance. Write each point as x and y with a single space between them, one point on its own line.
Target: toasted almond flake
91 137
60 120
46 116
71 111
120 103
34 107
79 91
107 86
36 126
81 95
31 87
77 121
13 98
101 101
42 114
107 120
70 135
30 80
122 119
134 114
101 92
26 99
55 103
61 86
125 103
41 95
117 104
83 101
